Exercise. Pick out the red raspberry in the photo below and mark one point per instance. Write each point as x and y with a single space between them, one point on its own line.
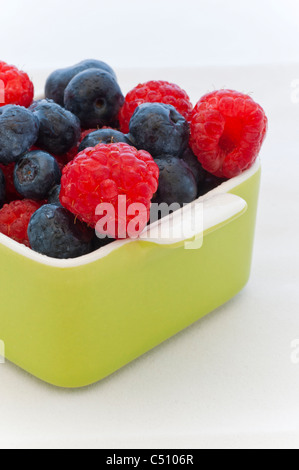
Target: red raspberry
100 175
11 192
18 88
154 92
15 218
227 132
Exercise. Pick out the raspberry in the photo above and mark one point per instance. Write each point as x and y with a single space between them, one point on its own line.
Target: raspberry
100 175
15 218
18 88
11 192
154 92
227 132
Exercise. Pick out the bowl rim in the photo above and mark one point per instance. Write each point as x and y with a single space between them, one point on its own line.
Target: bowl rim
103 252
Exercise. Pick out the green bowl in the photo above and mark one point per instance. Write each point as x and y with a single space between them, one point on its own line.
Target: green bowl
73 322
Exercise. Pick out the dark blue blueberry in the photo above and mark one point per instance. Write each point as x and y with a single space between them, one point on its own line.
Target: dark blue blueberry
53 231
35 174
104 136
54 194
159 129
2 188
210 182
95 97
59 80
98 243
59 129
195 166
18 132
176 182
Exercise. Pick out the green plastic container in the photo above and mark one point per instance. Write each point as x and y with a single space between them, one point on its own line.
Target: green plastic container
71 323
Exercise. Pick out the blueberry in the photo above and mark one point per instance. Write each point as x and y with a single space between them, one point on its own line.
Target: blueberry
98 243
159 129
18 132
95 97
104 136
54 232
176 182
195 166
210 182
54 194
35 174
59 129
2 188
59 80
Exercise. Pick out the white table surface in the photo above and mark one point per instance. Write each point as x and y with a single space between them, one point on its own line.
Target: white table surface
149 33
228 381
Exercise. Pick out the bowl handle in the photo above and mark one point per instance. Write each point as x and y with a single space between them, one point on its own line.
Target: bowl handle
189 224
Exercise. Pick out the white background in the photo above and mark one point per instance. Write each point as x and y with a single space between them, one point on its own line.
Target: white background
229 380
149 33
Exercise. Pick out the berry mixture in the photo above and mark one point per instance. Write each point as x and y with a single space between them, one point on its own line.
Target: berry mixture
85 165
154 92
